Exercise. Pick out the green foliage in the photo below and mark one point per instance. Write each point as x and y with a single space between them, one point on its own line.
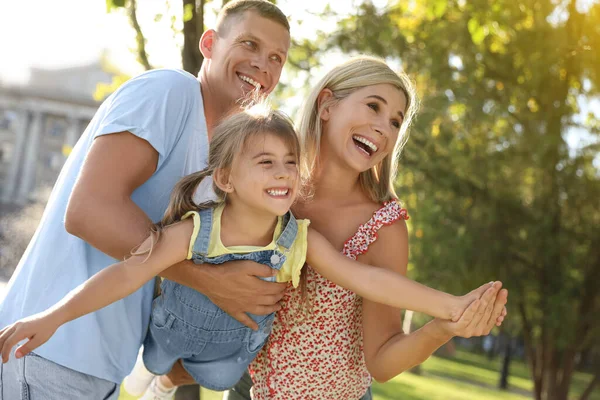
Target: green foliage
112 4
494 190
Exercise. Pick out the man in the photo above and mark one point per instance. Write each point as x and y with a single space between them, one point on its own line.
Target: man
143 139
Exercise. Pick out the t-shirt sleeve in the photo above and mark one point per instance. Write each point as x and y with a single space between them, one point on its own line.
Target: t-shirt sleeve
296 258
196 217
153 106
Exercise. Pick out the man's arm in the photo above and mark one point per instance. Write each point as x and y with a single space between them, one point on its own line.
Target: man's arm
101 212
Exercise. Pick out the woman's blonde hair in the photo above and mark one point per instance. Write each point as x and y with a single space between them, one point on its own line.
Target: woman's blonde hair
229 138
343 80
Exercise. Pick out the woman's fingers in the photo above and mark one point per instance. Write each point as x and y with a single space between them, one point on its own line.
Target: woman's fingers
499 311
478 323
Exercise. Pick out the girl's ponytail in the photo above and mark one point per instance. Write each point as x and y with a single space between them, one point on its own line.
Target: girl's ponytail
181 200
180 203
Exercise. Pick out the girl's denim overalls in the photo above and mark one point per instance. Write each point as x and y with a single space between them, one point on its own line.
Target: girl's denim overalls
215 348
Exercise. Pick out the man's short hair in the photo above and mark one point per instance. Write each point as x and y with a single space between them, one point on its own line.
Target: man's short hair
237 8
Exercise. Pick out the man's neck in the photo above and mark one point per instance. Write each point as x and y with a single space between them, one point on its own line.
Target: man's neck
214 108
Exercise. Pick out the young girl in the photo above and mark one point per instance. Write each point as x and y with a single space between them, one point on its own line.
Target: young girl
253 161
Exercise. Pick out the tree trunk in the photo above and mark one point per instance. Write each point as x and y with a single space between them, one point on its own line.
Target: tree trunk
588 391
193 27
506 363
140 40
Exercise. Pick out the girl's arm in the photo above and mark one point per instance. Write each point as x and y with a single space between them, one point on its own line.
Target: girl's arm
382 285
107 286
388 350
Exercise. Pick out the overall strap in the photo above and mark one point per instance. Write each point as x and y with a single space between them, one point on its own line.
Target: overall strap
290 230
203 238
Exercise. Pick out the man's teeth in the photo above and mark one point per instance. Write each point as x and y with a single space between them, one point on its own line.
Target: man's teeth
277 192
367 142
250 81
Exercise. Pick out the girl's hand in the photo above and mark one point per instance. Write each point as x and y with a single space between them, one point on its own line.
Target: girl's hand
38 329
480 317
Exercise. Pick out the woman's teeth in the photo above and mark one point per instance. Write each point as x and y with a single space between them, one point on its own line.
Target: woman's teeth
250 81
277 192
366 142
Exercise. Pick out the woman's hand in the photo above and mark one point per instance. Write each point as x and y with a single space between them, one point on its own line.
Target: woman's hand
480 317
38 329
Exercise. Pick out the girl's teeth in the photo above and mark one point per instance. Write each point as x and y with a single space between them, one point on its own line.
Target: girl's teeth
277 192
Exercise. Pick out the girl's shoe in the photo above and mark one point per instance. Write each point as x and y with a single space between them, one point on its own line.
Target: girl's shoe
156 392
136 383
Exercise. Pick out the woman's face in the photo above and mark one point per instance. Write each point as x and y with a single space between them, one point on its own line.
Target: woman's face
360 130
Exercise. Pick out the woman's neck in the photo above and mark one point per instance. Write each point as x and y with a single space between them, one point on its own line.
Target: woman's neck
332 181
243 227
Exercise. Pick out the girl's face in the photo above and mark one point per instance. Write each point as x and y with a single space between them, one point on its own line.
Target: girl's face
362 129
264 176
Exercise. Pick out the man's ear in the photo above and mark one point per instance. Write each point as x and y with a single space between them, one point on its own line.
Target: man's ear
221 179
207 41
324 103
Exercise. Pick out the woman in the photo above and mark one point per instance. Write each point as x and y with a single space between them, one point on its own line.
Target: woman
328 343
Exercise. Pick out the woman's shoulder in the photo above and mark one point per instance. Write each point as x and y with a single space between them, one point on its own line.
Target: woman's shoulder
389 214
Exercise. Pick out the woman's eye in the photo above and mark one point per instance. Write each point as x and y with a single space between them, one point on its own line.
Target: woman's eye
249 43
373 106
396 124
276 58
266 162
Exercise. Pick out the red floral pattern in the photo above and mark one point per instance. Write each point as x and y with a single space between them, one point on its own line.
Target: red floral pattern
315 350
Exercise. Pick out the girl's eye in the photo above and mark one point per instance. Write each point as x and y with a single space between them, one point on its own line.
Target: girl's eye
396 124
276 58
266 162
373 106
249 43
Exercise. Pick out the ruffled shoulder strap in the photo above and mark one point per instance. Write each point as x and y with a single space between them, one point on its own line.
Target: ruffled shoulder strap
359 243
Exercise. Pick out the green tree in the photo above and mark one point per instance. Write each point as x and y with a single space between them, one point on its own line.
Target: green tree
494 189
192 15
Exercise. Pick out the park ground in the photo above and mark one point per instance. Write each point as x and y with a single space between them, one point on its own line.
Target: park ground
466 376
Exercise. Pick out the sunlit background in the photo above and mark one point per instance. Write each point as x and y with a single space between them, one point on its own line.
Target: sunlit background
501 174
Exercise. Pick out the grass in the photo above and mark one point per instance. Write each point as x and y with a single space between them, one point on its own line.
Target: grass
467 376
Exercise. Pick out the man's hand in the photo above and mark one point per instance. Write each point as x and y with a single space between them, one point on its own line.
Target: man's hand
234 287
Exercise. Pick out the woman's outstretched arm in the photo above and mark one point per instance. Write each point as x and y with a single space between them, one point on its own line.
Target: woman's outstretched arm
382 285
388 350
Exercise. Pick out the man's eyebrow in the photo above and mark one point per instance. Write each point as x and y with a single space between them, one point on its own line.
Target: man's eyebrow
248 35
384 101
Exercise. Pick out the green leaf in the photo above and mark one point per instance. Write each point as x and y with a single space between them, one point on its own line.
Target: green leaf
188 12
476 30
112 4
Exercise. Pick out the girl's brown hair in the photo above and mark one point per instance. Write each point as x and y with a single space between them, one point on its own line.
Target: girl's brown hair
228 140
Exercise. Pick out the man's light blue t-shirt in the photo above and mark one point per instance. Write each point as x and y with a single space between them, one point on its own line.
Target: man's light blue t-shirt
165 108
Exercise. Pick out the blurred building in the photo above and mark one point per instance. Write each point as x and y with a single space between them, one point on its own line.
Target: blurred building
40 122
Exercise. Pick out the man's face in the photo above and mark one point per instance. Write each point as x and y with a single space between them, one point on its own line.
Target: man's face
251 52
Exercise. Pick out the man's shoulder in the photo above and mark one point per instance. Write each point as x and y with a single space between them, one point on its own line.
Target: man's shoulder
165 79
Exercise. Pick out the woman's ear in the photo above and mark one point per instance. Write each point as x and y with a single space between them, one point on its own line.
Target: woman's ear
324 103
207 42
221 179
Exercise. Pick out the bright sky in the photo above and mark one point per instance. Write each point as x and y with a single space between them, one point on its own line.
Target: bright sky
62 33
